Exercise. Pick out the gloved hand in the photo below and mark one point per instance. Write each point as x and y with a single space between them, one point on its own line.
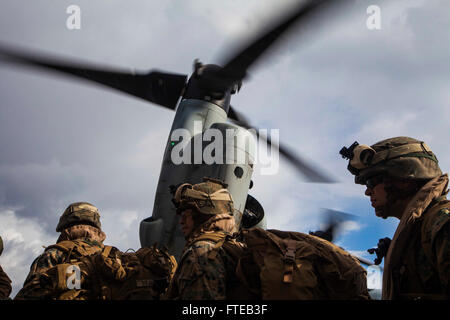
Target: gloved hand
381 250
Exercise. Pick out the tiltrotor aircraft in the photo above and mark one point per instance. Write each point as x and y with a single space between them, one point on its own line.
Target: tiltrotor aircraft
202 105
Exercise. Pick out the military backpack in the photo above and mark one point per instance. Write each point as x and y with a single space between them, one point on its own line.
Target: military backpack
109 274
280 265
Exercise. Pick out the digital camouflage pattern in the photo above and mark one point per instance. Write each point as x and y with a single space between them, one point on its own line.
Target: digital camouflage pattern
141 275
79 213
110 274
417 264
36 285
202 271
209 197
401 158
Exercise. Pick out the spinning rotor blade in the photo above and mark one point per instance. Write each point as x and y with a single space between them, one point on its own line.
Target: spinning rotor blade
236 67
160 88
334 219
308 171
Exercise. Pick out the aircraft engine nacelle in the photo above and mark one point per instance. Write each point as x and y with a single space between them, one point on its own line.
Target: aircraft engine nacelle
201 144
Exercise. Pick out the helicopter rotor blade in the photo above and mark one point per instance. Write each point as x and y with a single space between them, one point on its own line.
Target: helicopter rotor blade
158 87
307 170
334 219
235 68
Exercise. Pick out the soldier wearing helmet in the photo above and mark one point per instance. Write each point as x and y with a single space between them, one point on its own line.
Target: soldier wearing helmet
403 180
80 235
5 282
206 218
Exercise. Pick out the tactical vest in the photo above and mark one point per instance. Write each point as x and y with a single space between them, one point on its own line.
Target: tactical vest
291 266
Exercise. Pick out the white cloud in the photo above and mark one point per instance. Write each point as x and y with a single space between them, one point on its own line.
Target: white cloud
63 142
23 240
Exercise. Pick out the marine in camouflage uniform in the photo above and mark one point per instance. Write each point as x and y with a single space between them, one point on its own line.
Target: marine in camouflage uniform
81 235
5 282
206 208
403 180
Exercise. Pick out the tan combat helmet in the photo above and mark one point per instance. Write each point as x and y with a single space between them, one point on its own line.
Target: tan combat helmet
400 158
209 197
79 213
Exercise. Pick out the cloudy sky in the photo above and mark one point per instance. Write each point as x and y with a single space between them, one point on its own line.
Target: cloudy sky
63 141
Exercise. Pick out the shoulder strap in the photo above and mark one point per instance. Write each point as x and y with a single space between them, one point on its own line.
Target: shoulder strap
79 248
212 236
64 246
218 238
106 251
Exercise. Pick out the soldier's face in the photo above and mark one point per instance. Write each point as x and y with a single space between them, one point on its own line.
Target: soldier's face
187 222
378 196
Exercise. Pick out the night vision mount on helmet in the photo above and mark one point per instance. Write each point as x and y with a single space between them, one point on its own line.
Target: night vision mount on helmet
400 158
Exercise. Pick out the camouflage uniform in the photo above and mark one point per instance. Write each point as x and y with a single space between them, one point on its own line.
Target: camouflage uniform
5 285
202 274
5 282
80 230
417 264
202 270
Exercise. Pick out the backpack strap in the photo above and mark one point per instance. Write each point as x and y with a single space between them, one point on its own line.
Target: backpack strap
62 271
106 251
211 236
289 260
65 246
217 237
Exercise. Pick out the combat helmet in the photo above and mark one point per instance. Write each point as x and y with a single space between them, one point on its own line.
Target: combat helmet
400 158
79 213
209 197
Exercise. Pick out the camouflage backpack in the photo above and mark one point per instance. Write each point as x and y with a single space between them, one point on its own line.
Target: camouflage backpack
141 275
59 282
110 274
279 265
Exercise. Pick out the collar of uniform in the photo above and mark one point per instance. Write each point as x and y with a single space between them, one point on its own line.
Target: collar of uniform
414 211
424 197
222 222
